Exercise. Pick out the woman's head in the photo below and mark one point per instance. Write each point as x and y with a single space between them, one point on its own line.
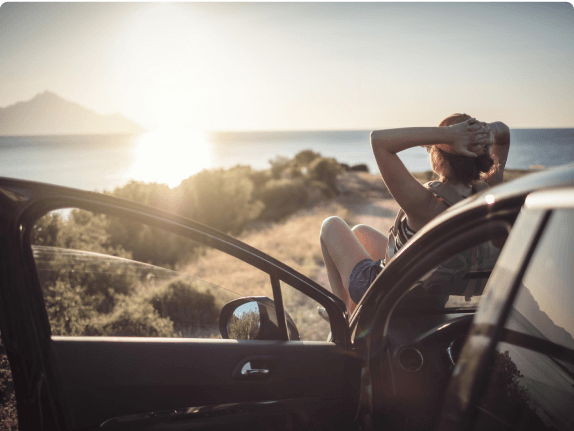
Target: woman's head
453 167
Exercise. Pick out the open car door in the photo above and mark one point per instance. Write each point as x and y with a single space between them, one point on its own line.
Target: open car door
113 314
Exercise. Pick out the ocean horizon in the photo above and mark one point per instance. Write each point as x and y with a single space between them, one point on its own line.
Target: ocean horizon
104 162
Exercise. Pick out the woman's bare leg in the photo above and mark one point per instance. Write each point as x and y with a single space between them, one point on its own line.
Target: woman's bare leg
341 252
372 240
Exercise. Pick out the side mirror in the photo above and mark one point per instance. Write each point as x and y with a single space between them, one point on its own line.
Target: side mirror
253 318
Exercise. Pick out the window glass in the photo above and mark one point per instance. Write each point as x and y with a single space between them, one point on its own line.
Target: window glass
547 300
309 316
458 282
531 382
106 276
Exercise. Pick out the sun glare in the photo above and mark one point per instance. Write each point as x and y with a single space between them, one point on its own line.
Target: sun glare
170 156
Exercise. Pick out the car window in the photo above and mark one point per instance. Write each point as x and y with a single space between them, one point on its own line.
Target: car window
106 276
531 380
310 318
457 282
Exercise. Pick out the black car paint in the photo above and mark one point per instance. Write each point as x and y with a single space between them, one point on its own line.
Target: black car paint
22 201
503 206
26 334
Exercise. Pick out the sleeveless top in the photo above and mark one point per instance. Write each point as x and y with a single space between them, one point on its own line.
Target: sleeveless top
400 232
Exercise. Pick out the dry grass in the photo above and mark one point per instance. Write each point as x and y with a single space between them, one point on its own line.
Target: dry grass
295 242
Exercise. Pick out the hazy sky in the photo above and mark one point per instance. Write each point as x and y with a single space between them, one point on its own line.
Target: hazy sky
270 66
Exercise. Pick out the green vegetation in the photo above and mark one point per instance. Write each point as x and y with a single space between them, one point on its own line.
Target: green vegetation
245 327
100 296
188 306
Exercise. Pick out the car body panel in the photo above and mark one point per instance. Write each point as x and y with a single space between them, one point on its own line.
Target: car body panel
138 377
73 383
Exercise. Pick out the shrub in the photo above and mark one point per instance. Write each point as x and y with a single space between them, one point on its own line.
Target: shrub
326 171
186 305
244 328
68 308
282 198
259 178
131 319
219 198
305 157
152 194
149 244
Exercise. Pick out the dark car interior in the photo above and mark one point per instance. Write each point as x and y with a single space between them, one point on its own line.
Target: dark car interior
414 345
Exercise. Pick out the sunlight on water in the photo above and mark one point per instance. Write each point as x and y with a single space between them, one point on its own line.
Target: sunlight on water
169 157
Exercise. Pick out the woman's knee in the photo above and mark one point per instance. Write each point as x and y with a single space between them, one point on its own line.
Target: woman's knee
332 224
361 230
372 240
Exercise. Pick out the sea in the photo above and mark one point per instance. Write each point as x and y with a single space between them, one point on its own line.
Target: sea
104 162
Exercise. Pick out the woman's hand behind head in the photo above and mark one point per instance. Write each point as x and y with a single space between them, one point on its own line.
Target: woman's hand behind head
468 138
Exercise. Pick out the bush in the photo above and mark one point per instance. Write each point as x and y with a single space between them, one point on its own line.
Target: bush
244 328
69 310
282 198
278 166
259 178
305 157
131 319
149 244
187 306
326 171
219 198
152 194
74 282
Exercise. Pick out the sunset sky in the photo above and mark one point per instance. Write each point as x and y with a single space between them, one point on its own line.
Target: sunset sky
295 66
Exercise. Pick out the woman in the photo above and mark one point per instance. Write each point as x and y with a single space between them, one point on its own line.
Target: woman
466 154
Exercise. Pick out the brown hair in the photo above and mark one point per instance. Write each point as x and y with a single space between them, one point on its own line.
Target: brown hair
454 167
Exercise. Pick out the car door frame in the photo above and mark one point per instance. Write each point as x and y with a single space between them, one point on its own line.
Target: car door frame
425 250
27 337
470 374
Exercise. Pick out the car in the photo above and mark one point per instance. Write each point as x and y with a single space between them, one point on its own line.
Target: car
469 326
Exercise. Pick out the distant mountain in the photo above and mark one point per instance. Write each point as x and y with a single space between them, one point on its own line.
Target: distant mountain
528 307
49 114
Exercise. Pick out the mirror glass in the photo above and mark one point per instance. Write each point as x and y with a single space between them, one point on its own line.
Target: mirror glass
245 322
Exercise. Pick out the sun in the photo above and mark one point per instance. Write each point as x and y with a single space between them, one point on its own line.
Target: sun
170 156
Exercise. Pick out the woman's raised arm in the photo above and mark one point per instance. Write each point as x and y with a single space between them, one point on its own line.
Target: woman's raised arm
419 204
498 151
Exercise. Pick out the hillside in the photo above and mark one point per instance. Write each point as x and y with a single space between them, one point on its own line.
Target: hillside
49 114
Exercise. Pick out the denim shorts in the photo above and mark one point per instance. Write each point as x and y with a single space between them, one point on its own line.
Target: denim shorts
362 276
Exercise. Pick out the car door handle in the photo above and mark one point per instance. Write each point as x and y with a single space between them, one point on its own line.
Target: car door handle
260 371
246 370
257 367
